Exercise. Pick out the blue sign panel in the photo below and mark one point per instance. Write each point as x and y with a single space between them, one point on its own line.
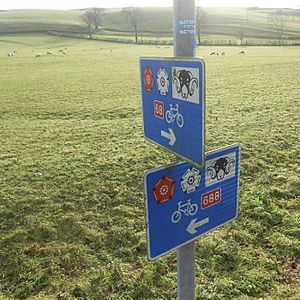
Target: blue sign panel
184 202
173 105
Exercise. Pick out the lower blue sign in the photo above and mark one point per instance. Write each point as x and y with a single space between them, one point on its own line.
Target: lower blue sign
184 202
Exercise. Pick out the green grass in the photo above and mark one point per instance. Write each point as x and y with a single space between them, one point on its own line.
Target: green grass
78 231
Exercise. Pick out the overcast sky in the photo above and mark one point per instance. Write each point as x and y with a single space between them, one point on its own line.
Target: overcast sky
74 4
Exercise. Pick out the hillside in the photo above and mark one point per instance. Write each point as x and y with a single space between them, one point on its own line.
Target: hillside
156 23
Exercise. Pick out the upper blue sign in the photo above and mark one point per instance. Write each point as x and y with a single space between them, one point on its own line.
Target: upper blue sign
184 202
173 94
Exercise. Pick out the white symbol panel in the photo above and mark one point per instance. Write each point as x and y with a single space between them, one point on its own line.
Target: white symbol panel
185 84
190 180
220 168
163 81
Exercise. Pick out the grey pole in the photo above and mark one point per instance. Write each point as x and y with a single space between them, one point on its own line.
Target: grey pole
184 25
184 37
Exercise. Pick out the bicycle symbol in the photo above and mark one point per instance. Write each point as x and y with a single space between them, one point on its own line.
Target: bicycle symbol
187 208
173 114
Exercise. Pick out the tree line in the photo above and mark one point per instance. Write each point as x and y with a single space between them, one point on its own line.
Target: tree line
93 18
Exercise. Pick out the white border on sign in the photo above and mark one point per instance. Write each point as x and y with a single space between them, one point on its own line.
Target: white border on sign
198 236
203 105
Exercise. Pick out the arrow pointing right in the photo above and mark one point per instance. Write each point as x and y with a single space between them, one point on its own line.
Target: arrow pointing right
194 224
169 135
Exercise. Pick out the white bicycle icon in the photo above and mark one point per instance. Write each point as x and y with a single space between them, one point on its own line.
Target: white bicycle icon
187 208
173 114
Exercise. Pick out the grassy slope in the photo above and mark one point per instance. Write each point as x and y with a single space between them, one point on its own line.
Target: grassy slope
40 20
220 21
78 230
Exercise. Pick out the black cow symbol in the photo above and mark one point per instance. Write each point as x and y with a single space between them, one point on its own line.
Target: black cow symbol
220 167
185 83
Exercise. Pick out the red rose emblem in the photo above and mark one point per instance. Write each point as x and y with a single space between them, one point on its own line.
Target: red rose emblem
163 189
148 79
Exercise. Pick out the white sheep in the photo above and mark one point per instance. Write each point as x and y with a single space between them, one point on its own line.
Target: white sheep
38 55
10 54
49 52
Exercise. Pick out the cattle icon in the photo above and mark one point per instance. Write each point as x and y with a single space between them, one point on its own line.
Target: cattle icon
148 79
163 81
173 114
187 208
163 189
185 84
190 180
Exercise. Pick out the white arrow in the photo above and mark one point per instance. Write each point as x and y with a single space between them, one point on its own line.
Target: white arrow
169 135
193 225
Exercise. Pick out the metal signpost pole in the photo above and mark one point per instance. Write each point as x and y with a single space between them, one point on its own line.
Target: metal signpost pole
184 46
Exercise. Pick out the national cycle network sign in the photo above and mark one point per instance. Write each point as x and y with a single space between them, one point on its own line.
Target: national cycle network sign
184 202
173 95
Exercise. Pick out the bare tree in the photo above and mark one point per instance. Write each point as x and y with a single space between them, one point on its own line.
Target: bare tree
241 35
97 16
93 19
134 17
88 19
201 19
279 20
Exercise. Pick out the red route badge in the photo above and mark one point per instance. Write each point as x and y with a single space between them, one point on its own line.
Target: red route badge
148 79
164 189
211 198
158 109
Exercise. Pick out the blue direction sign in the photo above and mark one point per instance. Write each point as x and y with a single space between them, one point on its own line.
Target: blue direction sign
173 92
184 202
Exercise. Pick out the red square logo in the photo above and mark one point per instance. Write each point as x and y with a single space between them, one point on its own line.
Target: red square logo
158 109
211 198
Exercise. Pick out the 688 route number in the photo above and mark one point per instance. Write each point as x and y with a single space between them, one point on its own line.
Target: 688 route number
211 198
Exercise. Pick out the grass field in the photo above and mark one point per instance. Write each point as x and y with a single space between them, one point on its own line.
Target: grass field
78 231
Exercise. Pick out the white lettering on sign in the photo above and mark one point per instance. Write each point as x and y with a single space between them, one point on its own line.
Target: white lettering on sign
211 198
187 27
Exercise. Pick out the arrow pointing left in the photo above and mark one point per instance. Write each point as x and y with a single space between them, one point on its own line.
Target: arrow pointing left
169 135
194 225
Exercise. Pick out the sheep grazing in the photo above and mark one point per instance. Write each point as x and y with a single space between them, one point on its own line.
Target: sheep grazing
223 53
38 55
242 53
10 54
62 51
212 53
49 52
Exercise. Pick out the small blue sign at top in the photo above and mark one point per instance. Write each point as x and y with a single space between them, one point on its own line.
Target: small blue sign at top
184 202
173 95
